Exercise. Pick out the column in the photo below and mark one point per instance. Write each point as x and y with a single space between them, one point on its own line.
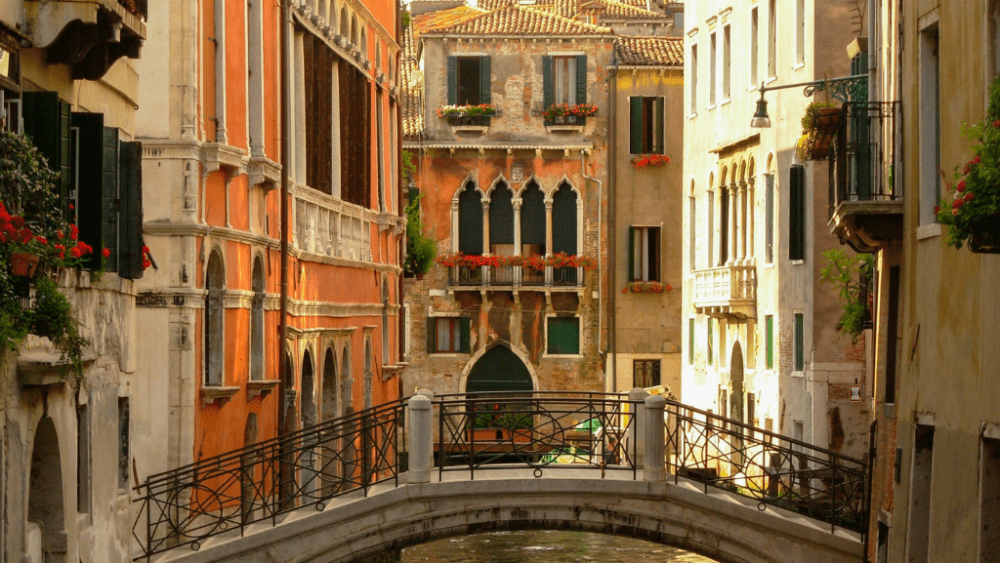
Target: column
548 238
741 223
655 468
750 222
421 439
220 72
454 224
486 271
516 203
298 85
731 220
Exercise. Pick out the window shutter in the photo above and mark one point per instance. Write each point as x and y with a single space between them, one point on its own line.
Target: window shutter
130 216
548 84
90 181
659 145
47 122
466 324
452 80
631 254
796 213
431 333
654 254
581 79
769 337
109 198
635 121
484 80
799 345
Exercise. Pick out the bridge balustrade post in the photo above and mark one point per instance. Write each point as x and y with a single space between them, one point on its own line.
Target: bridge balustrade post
655 454
421 439
635 434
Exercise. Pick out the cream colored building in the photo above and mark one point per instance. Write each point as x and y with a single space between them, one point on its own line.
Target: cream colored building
760 342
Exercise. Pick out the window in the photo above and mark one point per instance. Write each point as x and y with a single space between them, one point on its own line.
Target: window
468 80
691 341
993 33
769 218
797 213
645 373
83 459
257 344
930 125
989 496
754 38
727 47
694 79
644 255
920 494
123 443
214 322
712 64
799 342
769 342
891 336
692 229
772 40
470 220
723 223
710 248
355 135
800 32
646 124
711 344
564 80
318 122
448 335
563 335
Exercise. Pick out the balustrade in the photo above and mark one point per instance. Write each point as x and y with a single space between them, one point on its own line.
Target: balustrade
727 290
333 228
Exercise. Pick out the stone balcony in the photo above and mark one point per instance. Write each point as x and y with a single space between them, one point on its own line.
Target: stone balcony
728 291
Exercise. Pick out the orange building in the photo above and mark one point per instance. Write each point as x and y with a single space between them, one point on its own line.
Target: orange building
209 317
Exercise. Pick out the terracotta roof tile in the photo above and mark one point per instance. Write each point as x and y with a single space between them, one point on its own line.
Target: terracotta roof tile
649 51
409 89
522 20
444 18
616 9
622 10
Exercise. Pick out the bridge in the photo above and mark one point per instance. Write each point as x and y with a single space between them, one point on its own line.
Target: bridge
426 468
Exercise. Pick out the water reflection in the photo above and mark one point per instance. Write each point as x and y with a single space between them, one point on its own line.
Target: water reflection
547 547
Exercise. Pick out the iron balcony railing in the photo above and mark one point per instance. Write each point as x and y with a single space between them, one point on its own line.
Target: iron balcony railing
863 154
508 276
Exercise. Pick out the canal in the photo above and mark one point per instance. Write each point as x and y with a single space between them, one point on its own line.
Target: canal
546 547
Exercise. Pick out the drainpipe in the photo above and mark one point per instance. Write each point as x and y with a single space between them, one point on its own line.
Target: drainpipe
285 158
612 245
600 212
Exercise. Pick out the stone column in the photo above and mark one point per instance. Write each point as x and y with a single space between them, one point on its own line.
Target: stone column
655 454
636 440
548 239
741 235
220 72
421 439
486 225
750 222
731 221
516 202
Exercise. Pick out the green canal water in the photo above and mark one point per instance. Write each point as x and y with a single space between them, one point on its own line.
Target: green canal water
546 547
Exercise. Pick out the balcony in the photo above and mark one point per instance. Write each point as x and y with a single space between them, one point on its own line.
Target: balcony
866 203
729 291
514 277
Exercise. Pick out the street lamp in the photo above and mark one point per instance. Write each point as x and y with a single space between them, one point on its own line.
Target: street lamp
844 89
760 119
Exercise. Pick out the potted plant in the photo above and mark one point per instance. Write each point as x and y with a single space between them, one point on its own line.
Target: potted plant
566 114
495 423
478 115
420 248
851 274
650 160
819 125
972 212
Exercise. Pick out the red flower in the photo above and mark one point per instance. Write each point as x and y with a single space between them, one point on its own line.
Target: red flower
4 216
75 252
71 207
146 264
17 221
969 196
145 250
106 253
73 232
960 187
42 240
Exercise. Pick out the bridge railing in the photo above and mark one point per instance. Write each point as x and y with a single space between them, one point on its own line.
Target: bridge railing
536 429
768 467
187 505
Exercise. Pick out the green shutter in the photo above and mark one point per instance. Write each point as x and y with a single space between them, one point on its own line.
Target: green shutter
631 254
769 342
91 207
799 337
109 198
658 140
564 227
431 332
710 349
466 328
796 212
654 254
130 213
532 216
635 125
581 79
691 342
47 122
470 221
484 80
563 335
548 84
452 80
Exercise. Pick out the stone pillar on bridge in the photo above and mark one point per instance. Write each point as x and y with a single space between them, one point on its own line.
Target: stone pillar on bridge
655 451
421 439
636 443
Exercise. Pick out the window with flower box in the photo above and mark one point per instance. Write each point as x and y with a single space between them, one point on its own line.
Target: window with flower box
644 254
646 124
448 335
564 82
468 80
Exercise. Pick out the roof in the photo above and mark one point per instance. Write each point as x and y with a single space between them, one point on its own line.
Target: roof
409 88
444 18
521 20
621 10
649 51
614 9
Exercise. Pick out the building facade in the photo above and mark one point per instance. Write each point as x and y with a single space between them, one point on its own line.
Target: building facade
760 330
68 81
210 316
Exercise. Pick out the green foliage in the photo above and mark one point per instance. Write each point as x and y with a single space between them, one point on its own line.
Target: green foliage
406 18
409 166
850 274
508 417
808 119
420 248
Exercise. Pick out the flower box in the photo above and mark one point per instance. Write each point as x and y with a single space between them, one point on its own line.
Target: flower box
468 120
519 436
23 264
567 120
565 114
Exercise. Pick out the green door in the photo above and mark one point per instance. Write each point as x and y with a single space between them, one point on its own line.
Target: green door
499 370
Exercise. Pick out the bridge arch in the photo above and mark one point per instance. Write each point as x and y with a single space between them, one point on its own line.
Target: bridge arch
499 367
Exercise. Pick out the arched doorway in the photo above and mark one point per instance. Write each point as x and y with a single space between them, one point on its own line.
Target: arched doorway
45 496
499 369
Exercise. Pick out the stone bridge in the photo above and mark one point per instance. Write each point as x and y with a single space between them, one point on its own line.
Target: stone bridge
676 502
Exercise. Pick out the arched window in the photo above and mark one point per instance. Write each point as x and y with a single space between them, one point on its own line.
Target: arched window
470 220
368 375
385 321
532 221
724 219
308 391
331 397
501 221
347 383
215 282
354 30
564 231
344 23
257 322
710 213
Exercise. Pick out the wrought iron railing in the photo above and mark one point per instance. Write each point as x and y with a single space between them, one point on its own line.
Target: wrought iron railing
863 154
185 506
512 276
770 468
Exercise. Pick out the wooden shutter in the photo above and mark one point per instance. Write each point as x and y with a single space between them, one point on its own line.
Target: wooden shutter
47 122
581 79
431 335
631 254
548 84
769 218
484 80
710 348
769 342
90 181
501 216
796 213
452 80
635 125
466 331
130 212
659 144
799 345
564 227
563 335
109 199
470 222
691 342
654 254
